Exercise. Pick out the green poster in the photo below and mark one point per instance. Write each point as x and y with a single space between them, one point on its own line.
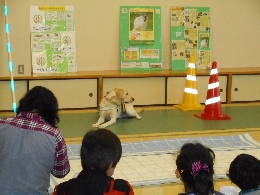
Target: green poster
190 36
140 38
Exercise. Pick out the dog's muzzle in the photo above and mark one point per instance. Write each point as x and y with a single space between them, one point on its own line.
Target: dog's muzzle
133 99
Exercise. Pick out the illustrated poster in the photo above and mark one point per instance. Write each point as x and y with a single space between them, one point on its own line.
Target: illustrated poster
190 36
140 38
53 39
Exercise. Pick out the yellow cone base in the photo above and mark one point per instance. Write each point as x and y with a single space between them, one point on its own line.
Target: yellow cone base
186 107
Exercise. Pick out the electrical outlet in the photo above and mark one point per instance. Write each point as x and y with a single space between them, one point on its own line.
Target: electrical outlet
21 69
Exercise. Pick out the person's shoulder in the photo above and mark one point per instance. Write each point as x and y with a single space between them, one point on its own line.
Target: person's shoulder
73 184
254 193
218 193
121 185
7 120
215 193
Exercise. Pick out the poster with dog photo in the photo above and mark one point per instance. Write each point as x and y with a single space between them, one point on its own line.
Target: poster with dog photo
141 26
190 36
53 39
140 38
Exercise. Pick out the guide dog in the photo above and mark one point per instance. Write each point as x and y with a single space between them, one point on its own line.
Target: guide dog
115 104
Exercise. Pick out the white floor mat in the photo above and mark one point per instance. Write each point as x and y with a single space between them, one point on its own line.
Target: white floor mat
152 162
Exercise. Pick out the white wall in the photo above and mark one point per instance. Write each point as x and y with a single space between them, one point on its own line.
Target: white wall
234 26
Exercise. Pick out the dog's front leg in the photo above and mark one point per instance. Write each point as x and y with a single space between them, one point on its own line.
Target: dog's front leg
111 122
137 116
100 121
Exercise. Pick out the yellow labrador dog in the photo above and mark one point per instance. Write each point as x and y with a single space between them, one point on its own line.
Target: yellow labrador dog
115 104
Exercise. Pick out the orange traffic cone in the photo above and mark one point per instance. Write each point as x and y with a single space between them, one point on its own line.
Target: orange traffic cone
190 97
212 110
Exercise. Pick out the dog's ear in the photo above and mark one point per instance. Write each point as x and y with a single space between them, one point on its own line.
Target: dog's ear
115 100
120 94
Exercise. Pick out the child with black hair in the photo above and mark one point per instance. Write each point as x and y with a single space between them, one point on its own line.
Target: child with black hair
195 169
244 171
100 152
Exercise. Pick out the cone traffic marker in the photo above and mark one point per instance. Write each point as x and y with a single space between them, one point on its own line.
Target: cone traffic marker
190 97
212 110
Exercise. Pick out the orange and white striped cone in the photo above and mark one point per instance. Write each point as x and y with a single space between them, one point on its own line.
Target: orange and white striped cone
212 110
190 97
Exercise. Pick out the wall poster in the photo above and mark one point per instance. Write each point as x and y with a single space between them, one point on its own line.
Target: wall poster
190 36
53 39
140 38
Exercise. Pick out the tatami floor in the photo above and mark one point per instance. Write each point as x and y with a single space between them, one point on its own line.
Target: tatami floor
154 126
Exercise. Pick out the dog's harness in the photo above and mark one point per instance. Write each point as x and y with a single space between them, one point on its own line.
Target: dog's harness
106 108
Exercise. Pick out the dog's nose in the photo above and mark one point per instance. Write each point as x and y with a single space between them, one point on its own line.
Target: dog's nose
133 99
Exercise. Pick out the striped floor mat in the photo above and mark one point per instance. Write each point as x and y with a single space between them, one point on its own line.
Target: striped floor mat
152 162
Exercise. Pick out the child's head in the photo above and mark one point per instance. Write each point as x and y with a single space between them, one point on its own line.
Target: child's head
101 150
41 101
244 171
195 168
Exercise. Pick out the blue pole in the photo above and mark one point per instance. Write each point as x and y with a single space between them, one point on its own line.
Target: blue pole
9 50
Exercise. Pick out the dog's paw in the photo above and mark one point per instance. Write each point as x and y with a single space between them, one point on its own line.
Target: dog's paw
102 126
94 125
137 116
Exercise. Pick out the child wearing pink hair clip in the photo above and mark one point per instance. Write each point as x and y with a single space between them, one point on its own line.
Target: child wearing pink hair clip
195 169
